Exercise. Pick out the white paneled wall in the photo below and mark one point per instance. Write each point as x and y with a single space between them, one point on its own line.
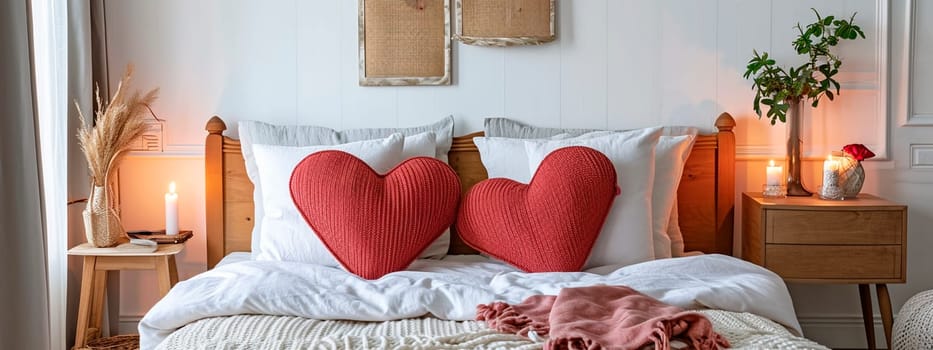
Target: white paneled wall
615 64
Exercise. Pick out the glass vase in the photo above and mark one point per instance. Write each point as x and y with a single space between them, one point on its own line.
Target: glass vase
851 176
794 160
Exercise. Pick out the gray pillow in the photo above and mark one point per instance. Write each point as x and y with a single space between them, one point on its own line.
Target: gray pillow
505 127
255 132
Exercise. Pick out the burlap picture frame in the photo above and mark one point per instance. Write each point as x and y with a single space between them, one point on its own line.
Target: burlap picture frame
404 42
505 23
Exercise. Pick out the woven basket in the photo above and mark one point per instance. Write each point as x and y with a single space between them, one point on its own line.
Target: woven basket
119 342
101 223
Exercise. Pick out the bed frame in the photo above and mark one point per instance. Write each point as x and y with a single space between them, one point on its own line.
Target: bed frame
706 195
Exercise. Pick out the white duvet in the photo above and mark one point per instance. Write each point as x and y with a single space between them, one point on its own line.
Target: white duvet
451 289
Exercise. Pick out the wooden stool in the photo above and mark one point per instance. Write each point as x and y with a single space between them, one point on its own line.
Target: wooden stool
97 261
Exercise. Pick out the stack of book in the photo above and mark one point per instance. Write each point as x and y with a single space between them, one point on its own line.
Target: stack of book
160 236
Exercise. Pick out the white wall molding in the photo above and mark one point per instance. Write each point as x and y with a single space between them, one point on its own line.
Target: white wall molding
913 117
921 156
171 151
882 52
129 324
920 119
757 152
837 330
185 148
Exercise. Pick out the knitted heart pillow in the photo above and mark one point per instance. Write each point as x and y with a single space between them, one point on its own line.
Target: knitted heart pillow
551 223
375 224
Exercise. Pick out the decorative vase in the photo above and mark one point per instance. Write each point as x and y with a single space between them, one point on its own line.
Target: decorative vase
851 176
102 226
794 184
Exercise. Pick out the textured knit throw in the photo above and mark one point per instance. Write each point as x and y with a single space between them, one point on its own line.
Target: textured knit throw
602 317
548 225
375 224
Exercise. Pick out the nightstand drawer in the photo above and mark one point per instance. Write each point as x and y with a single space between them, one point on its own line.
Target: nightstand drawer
834 262
834 227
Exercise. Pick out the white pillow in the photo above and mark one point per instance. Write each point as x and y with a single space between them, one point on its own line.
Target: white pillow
285 236
669 158
676 235
626 237
255 132
503 157
506 157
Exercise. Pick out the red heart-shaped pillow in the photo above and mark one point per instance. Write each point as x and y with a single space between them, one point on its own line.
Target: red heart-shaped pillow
548 225
375 224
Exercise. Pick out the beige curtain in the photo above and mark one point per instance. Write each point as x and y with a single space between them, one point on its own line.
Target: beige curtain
24 321
86 65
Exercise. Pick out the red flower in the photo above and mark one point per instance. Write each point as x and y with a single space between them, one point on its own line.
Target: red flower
858 151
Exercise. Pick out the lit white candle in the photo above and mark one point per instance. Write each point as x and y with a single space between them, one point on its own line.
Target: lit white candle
774 174
830 164
831 188
171 210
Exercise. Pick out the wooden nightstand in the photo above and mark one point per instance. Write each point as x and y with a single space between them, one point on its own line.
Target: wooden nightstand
806 239
97 261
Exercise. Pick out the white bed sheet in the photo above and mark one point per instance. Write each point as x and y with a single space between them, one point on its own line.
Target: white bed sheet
451 288
234 257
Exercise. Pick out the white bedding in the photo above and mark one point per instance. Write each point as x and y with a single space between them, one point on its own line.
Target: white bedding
450 289
234 257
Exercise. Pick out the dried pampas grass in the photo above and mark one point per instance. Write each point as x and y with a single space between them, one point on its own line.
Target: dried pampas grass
116 126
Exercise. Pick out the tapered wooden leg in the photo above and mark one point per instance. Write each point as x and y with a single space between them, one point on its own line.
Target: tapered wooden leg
172 270
163 273
84 302
884 305
865 294
113 301
97 304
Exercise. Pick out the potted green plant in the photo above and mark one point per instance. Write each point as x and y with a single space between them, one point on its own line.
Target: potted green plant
784 91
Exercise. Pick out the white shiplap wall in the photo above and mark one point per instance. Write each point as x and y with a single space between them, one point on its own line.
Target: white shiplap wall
616 64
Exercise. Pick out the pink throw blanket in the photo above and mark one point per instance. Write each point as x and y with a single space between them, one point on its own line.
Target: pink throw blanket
601 317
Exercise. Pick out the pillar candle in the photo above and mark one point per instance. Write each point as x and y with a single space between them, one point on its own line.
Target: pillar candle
774 174
831 188
830 164
171 210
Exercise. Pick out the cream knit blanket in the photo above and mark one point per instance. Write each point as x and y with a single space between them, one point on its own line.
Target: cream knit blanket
743 330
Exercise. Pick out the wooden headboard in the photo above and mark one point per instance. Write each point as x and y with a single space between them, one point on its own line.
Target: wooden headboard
706 195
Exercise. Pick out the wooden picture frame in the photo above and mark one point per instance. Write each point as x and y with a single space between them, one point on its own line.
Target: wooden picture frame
404 42
505 23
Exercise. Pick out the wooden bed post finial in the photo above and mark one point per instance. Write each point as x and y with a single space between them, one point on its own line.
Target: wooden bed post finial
725 183
214 189
725 122
215 125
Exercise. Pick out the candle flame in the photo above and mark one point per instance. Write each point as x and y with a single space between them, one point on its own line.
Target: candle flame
829 157
171 187
771 163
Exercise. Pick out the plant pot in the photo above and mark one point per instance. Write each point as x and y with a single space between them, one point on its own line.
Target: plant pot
794 160
102 226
